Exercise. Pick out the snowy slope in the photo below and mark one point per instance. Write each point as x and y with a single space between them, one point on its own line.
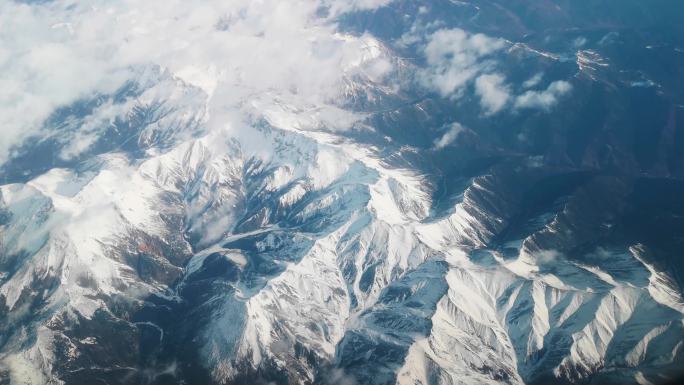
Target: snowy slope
330 268
198 226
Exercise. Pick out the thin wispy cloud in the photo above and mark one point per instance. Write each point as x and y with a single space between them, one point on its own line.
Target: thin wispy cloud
449 136
544 99
533 81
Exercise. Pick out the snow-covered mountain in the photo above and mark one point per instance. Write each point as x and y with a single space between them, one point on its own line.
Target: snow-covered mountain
415 195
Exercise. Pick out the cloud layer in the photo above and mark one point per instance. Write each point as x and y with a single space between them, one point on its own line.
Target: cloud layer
245 55
457 60
454 57
55 53
544 99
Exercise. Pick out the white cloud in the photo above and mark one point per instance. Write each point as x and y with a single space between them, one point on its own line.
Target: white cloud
338 6
54 53
547 256
544 99
91 128
339 377
493 92
534 80
454 58
579 42
449 136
